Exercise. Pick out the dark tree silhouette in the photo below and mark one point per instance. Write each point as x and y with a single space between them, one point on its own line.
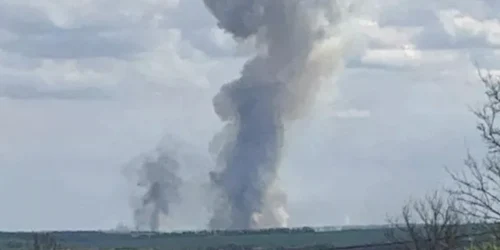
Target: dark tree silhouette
478 187
44 241
431 223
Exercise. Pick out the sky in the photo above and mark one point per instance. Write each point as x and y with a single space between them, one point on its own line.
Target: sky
87 86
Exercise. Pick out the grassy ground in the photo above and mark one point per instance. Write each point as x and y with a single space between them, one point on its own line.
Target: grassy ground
206 240
167 241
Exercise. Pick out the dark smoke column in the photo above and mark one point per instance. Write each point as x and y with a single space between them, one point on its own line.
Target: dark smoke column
276 86
252 156
156 175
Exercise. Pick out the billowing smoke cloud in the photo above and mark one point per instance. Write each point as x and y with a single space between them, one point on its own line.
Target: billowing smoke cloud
298 48
156 175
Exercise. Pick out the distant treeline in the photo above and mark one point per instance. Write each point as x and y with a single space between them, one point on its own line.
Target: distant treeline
300 230
149 234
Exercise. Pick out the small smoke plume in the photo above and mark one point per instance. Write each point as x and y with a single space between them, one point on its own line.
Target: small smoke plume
298 48
156 175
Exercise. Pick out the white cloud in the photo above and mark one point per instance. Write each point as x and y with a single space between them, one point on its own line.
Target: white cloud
462 26
387 36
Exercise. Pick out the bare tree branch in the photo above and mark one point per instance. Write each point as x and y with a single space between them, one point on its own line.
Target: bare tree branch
478 188
432 223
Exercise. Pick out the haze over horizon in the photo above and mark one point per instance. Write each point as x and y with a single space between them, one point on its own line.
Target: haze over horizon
84 90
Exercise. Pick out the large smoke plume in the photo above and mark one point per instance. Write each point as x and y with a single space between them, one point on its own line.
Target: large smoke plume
156 177
298 48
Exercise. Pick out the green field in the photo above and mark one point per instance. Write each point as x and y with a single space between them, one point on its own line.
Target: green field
266 239
24 240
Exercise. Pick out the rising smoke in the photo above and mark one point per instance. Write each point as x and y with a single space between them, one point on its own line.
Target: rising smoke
156 175
299 48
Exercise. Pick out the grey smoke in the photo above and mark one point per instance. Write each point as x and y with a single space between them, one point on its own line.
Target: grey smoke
156 175
298 48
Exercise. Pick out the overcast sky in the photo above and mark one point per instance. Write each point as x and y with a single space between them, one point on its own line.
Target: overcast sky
85 86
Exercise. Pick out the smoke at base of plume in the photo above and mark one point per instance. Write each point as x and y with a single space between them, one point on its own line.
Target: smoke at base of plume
156 177
299 50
